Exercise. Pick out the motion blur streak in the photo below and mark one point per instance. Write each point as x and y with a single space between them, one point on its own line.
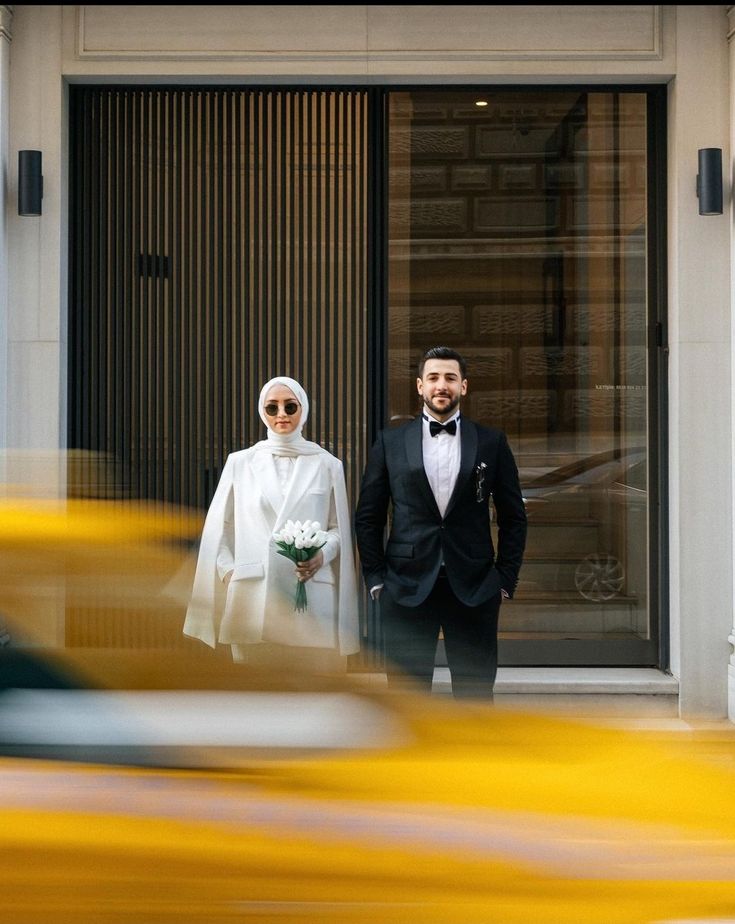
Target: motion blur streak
267 793
481 816
568 846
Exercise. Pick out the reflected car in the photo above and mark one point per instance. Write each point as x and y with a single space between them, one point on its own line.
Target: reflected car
594 513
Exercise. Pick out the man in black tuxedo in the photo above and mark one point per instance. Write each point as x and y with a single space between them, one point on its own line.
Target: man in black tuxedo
439 569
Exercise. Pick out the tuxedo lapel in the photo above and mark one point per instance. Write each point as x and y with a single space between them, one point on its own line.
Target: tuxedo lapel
415 456
468 437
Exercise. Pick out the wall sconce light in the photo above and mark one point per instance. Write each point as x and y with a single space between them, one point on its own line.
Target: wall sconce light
30 183
709 181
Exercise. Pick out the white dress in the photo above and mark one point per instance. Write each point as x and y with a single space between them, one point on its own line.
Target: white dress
257 493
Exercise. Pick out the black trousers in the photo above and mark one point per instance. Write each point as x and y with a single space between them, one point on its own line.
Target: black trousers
470 639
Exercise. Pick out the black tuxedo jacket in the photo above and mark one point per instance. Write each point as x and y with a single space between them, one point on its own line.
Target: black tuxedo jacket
420 539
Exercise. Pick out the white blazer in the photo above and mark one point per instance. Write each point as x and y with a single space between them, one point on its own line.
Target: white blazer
258 604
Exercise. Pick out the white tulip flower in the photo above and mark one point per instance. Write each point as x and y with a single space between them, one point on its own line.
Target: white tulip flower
296 537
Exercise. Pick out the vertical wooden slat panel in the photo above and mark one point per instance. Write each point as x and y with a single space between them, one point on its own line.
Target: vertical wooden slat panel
220 400
197 484
156 356
132 307
230 295
200 307
257 241
143 314
219 237
92 344
172 333
102 337
291 229
116 394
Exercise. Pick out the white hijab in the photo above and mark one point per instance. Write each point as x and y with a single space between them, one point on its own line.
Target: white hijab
286 444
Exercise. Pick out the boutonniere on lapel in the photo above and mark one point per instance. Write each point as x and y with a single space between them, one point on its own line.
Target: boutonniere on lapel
479 481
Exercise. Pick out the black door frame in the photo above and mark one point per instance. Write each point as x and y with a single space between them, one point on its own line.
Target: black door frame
552 652
653 652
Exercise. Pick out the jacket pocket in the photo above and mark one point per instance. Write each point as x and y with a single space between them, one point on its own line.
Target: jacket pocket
248 569
399 550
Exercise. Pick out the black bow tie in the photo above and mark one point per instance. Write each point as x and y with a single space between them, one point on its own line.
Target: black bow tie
450 428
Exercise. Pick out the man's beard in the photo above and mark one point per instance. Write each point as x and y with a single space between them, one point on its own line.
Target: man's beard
449 409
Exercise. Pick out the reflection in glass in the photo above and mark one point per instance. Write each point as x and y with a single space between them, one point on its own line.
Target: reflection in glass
517 234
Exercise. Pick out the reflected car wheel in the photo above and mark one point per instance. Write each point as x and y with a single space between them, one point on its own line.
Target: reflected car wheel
599 577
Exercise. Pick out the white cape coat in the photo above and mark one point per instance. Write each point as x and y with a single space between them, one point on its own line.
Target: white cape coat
258 604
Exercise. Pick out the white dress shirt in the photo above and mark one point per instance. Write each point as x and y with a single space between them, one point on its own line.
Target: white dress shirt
442 458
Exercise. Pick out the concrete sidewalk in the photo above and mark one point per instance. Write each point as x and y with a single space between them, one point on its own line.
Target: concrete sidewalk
641 700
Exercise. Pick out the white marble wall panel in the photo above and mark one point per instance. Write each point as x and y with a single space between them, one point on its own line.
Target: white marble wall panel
436 43
37 245
700 306
161 31
6 17
33 395
703 527
485 32
516 30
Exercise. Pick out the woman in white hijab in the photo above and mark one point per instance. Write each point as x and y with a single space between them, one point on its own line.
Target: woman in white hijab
243 591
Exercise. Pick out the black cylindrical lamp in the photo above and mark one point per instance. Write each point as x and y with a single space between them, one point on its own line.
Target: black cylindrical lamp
709 181
30 183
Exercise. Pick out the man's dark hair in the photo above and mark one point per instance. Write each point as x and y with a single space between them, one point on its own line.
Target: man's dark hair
442 352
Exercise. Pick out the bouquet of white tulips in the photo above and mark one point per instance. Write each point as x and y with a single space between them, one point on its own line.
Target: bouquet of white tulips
299 542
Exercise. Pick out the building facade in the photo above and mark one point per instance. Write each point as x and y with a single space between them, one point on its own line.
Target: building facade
333 189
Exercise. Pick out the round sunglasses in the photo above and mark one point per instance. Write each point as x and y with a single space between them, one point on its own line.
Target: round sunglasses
290 407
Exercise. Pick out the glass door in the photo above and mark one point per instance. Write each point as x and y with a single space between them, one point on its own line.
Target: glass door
518 233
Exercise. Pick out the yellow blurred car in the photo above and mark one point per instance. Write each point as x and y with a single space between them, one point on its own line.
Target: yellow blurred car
349 806
171 785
